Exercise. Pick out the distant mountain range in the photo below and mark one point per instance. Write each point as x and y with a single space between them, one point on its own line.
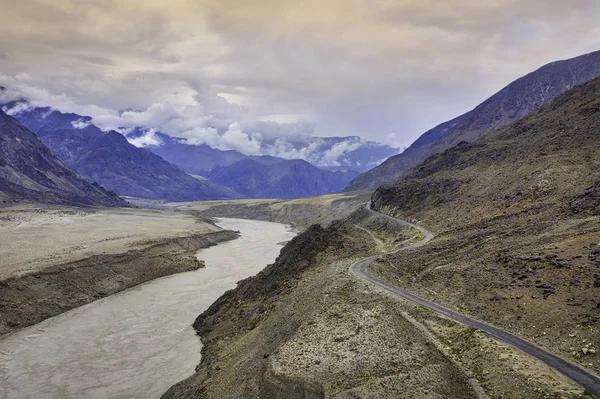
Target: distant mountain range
186 173
202 159
513 102
174 169
29 170
275 178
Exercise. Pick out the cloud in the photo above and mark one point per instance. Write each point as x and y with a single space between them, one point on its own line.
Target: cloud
81 123
283 69
147 139
236 139
16 109
332 156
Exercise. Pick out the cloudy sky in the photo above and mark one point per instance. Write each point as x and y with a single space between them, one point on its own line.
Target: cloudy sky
235 73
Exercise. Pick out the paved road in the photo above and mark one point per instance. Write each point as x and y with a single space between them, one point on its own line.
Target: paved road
577 374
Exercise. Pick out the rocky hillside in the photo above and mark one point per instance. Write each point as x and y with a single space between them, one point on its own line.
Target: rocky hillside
304 328
276 178
517 230
30 171
511 103
109 159
547 163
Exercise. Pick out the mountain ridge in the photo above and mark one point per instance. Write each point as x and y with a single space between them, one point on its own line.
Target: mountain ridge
29 170
513 102
280 178
109 159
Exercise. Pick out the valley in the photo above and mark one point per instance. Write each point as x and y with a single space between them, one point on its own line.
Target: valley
305 327
138 342
236 200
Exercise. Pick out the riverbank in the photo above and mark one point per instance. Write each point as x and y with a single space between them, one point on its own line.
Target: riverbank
307 328
56 259
138 342
300 213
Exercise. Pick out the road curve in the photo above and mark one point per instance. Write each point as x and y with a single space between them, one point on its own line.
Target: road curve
585 379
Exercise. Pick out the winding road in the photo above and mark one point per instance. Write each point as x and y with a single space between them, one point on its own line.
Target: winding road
585 379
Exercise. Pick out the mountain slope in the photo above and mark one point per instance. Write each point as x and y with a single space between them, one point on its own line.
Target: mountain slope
511 103
515 216
194 159
280 179
543 162
28 169
109 159
388 170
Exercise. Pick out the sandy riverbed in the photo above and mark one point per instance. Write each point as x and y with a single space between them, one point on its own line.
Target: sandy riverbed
35 238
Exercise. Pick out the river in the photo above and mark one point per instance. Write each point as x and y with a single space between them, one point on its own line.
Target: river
137 343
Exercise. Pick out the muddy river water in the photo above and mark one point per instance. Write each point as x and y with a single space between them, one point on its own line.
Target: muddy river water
137 343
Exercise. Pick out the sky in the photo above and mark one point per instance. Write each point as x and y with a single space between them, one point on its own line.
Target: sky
237 74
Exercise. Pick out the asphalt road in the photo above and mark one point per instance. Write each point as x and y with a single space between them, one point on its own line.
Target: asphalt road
577 374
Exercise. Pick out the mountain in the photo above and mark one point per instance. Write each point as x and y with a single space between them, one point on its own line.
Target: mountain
516 220
109 159
547 164
390 169
274 178
511 103
330 153
29 170
194 159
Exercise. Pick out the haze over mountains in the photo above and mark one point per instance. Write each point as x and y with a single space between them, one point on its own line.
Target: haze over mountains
511 103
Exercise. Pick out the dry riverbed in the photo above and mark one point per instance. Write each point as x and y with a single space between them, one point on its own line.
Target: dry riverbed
55 259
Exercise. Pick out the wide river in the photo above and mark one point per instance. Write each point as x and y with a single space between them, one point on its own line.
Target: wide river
137 343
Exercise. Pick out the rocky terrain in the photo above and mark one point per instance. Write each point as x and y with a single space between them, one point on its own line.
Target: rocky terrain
517 245
83 255
511 103
30 171
306 328
516 220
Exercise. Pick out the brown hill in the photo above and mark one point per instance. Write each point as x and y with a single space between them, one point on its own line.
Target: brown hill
512 103
546 164
517 229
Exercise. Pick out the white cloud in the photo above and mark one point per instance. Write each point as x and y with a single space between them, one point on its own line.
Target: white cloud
16 109
339 150
147 139
360 68
81 123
